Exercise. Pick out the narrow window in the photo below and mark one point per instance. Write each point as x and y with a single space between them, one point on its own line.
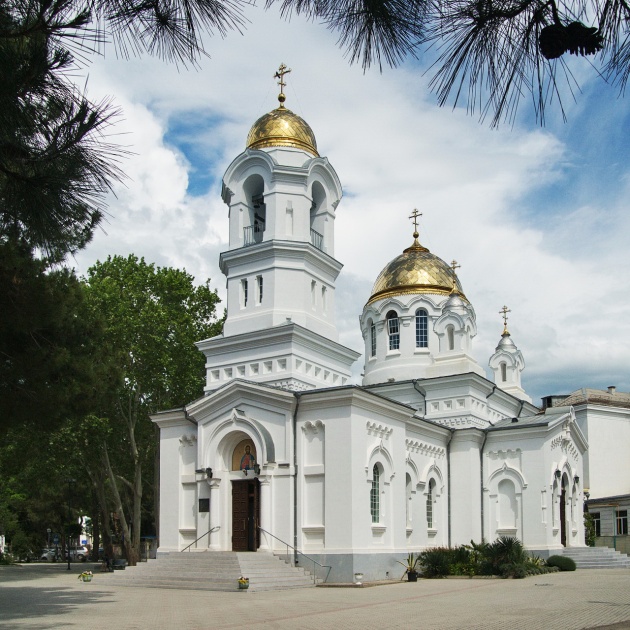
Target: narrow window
324 299
393 330
450 334
430 503
597 523
621 519
375 495
408 502
422 328
313 293
259 282
244 293
503 371
372 338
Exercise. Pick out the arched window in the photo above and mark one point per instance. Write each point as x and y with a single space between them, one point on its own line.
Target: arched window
450 335
393 330
372 327
422 328
508 507
430 499
408 502
375 495
503 366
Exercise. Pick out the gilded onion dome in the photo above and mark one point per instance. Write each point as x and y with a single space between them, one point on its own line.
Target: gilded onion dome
281 127
416 270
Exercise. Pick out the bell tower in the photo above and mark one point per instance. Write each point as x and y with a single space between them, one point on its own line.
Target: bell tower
280 266
507 363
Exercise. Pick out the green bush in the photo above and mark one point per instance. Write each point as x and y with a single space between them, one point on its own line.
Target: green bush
562 562
436 562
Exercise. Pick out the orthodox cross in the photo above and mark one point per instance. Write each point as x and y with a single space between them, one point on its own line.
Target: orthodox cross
282 70
504 311
454 266
414 216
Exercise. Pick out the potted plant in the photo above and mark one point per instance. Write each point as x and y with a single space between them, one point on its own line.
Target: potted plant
243 582
410 565
86 576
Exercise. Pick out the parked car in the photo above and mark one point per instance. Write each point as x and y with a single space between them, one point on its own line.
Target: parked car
50 554
80 554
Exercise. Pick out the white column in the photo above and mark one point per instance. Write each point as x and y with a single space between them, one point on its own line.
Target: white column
265 512
215 514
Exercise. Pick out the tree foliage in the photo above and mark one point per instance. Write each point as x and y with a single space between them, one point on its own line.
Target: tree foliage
153 317
48 366
490 53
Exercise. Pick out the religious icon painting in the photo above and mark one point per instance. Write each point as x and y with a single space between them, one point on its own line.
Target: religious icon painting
244 456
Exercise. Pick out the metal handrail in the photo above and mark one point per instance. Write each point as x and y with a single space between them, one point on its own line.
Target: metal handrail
297 551
200 537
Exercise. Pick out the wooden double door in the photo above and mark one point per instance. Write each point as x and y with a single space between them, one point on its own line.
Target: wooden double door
245 515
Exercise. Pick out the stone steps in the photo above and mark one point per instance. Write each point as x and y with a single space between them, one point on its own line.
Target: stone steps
214 571
597 558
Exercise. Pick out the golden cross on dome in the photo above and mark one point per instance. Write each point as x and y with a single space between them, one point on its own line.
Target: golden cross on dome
504 311
282 70
454 266
414 216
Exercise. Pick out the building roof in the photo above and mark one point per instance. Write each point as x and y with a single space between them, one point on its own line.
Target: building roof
609 397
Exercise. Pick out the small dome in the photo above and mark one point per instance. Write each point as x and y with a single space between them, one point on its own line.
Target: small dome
416 270
282 128
506 342
454 303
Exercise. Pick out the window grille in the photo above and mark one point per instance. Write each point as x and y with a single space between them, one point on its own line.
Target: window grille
260 288
372 339
393 329
430 504
422 329
244 291
375 495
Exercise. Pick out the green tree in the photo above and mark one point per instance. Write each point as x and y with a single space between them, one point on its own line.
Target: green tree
48 367
153 317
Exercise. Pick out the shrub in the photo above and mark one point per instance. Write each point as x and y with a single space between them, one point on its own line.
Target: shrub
436 562
563 563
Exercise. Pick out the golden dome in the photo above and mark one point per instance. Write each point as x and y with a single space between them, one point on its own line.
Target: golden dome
416 270
282 128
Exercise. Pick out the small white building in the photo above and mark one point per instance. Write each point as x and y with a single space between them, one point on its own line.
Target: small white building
282 449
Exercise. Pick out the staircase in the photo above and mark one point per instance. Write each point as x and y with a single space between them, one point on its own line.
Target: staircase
214 571
597 558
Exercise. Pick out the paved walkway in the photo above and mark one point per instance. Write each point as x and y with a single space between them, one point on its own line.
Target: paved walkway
43 597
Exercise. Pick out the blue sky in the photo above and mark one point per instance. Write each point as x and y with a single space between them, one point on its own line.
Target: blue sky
536 217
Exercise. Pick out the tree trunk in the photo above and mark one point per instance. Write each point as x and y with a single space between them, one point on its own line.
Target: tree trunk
130 552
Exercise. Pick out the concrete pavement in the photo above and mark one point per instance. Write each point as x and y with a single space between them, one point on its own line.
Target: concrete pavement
42 597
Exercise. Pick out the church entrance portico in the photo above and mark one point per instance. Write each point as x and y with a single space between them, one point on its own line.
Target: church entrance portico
245 514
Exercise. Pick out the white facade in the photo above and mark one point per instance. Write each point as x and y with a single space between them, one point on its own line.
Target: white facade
282 450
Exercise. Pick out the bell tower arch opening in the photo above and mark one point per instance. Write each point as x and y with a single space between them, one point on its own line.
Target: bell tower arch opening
255 219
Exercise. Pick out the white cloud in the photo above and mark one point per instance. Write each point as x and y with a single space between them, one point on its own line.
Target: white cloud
394 150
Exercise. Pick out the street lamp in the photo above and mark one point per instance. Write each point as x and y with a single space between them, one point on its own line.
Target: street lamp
70 483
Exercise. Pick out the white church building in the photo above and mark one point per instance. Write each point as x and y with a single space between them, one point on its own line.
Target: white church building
283 450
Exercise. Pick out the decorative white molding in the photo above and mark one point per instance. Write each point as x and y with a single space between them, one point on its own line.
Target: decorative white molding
462 422
313 427
188 440
566 445
415 446
379 430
